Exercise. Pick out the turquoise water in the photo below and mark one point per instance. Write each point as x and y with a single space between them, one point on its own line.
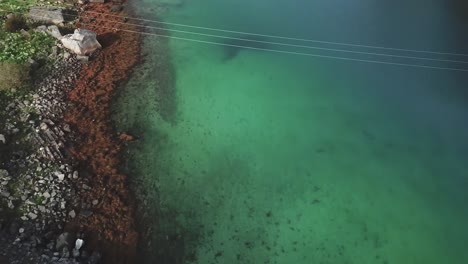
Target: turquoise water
262 157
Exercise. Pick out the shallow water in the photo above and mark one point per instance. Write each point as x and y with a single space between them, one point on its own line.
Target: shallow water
252 156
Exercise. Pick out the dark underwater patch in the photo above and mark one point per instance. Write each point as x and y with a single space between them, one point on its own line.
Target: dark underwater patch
233 46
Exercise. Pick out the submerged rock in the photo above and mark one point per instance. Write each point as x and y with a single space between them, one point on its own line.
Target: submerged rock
81 42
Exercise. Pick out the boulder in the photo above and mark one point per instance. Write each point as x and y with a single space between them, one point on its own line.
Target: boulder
81 42
46 15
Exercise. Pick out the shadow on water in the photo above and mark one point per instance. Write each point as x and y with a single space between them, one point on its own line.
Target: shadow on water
232 47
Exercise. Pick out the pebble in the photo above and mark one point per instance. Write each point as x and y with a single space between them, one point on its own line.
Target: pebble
72 214
32 216
59 175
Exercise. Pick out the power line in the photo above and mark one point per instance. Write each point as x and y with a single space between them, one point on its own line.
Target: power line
278 43
291 52
291 45
285 52
282 37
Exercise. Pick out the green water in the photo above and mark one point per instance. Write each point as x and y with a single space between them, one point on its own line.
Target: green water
277 158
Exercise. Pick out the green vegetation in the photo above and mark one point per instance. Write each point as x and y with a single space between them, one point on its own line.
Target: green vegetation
19 47
19 44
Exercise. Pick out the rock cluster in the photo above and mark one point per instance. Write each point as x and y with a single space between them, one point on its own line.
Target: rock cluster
39 181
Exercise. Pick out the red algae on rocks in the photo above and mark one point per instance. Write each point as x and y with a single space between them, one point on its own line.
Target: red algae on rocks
111 224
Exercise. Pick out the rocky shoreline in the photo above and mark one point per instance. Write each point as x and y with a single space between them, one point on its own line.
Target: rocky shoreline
63 197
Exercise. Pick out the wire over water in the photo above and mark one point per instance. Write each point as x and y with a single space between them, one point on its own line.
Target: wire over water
278 43
277 51
290 52
282 37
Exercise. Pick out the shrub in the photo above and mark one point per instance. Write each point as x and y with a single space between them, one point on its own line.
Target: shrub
14 75
15 23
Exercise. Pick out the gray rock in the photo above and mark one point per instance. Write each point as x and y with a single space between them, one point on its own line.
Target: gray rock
82 58
97 1
76 253
41 29
46 195
2 138
95 202
54 32
32 216
72 214
46 15
64 240
3 174
65 253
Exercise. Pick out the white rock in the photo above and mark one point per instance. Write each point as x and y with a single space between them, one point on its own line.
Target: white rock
79 243
2 138
81 42
59 175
